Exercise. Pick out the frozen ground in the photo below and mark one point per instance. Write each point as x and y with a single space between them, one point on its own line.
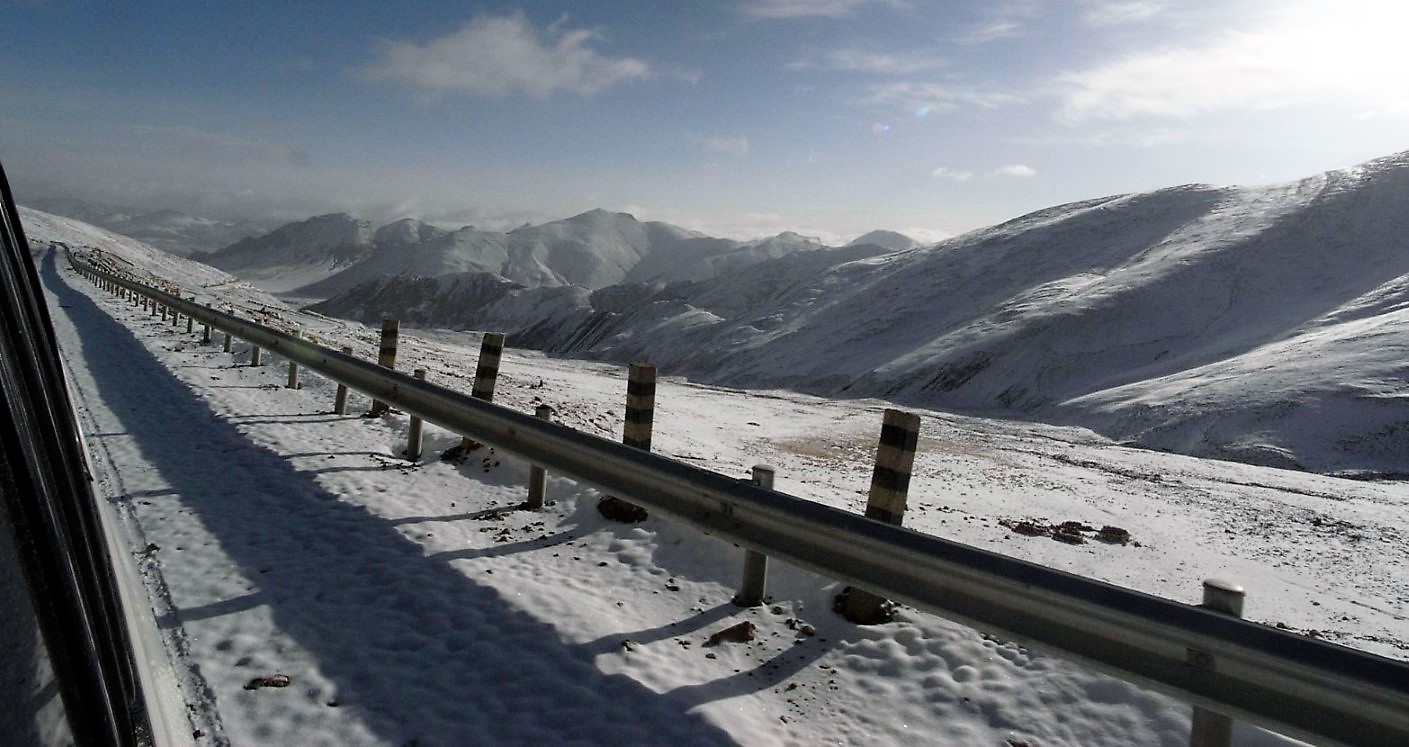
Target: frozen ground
412 604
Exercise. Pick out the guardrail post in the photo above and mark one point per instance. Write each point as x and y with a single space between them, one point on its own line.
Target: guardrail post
890 482
144 303
293 369
228 340
340 399
636 432
254 355
205 333
537 476
491 349
190 320
386 358
163 313
413 437
755 583
1210 728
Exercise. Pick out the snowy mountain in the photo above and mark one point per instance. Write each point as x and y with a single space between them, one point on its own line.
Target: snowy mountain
168 230
891 240
1262 324
298 253
592 250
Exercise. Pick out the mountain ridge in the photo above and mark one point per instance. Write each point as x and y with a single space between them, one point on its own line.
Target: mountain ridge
593 250
1217 321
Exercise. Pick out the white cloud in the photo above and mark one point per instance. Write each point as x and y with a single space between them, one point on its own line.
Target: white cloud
1007 20
1348 53
913 96
1120 12
500 55
852 59
736 145
1019 170
804 8
944 172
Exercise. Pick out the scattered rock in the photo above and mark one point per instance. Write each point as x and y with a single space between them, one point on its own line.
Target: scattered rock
628 644
1069 536
1113 535
740 633
1030 529
878 615
615 509
273 680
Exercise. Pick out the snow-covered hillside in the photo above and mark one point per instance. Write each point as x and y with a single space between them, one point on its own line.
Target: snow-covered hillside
414 603
297 254
1262 324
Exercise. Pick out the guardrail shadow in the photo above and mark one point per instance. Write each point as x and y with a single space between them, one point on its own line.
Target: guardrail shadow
421 652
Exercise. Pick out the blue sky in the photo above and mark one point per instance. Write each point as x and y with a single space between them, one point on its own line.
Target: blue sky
738 117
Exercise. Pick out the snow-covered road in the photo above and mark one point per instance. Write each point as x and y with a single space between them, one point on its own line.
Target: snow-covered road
412 604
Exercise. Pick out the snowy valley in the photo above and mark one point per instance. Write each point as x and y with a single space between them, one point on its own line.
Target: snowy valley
1245 323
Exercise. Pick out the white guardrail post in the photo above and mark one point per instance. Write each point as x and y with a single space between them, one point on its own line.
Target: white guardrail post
1210 728
537 476
1300 686
754 585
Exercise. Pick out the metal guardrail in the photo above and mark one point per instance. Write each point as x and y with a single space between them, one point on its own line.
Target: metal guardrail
1302 687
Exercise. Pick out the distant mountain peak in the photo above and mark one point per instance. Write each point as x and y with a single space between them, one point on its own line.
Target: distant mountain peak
892 240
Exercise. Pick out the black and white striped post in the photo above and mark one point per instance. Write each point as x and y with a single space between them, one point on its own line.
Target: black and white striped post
640 406
537 476
491 349
386 358
636 432
890 482
413 436
755 582
340 399
1210 728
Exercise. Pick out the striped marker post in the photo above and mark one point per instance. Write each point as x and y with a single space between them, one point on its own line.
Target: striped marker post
491 349
340 399
890 482
755 582
413 437
386 358
640 406
636 432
